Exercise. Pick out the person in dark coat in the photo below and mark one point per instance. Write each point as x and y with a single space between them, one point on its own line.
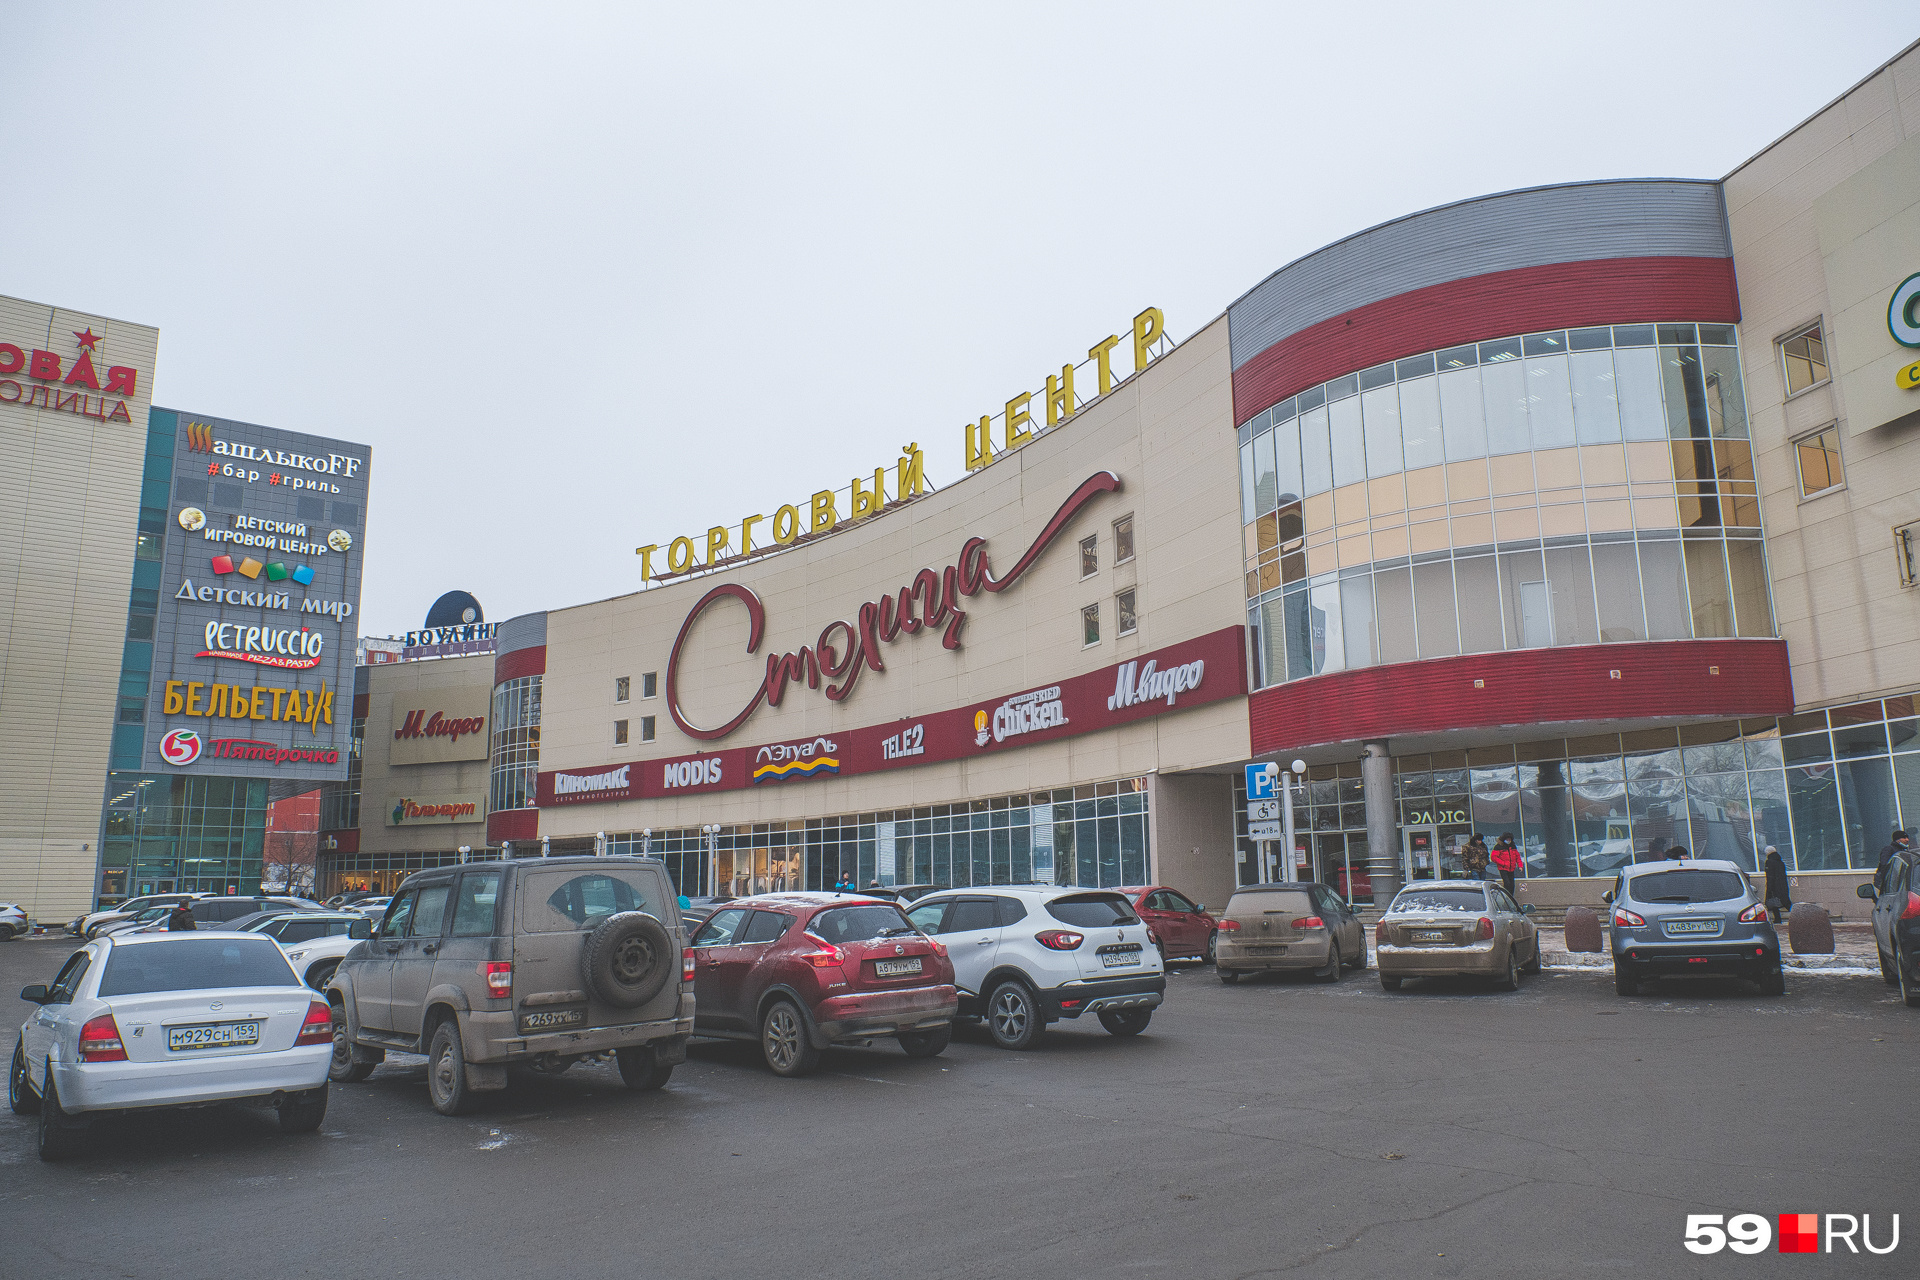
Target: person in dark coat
1779 898
180 920
1900 845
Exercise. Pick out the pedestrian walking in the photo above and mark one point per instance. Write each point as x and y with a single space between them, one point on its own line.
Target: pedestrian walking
1507 858
1898 846
1474 858
1779 899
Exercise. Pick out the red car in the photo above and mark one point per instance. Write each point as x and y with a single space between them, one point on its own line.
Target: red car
800 971
1181 927
1361 889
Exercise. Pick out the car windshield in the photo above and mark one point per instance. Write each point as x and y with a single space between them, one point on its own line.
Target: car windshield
1092 910
195 964
1688 884
1440 900
859 924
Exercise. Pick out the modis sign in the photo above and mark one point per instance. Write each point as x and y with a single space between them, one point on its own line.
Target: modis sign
1206 669
931 602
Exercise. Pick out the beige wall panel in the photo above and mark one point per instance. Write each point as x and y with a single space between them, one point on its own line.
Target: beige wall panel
1190 819
440 683
1167 433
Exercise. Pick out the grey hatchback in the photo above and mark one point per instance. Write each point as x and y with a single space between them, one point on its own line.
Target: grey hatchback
1692 917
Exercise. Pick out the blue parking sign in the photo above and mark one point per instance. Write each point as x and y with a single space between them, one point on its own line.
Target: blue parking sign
1260 780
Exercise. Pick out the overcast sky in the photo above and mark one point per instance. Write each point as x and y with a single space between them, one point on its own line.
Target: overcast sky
588 277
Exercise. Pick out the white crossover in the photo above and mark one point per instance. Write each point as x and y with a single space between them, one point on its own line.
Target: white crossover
170 1020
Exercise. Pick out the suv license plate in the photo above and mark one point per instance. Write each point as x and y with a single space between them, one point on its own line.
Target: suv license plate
1120 959
217 1035
1676 928
896 968
550 1018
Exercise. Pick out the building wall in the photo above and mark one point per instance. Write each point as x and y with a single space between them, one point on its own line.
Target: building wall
69 509
1166 433
1190 821
393 689
1825 224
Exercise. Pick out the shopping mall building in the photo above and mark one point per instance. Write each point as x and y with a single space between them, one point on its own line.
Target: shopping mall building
1579 512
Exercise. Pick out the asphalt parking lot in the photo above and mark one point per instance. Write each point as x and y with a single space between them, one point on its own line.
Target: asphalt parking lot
1271 1127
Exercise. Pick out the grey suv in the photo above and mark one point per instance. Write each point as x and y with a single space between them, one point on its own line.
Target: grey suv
1690 918
537 961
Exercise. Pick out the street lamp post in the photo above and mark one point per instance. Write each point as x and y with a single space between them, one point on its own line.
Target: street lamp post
1286 812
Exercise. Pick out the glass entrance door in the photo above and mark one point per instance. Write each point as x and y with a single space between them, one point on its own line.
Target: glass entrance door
1420 853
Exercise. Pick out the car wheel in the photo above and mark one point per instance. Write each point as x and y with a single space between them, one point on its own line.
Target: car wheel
1229 977
1909 989
57 1136
1510 980
1534 963
1624 983
1887 975
447 1071
1331 973
1390 984
8 933
302 1112
343 1069
321 974
20 1095
1126 1022
1013 1019
1212 938
926 1044
1773 982
1360 961
783 1040
641 1068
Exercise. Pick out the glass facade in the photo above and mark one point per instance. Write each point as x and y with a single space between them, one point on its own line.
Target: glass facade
1574 487
340 801
1826 788
183 834
514 750
1089 835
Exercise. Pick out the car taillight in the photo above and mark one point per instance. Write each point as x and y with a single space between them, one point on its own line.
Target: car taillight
100 1040
499 976
1309 922
1380 932
827 957
686 965
1754 913
939 948
1913 906
1230 926
1486 927
1060 939
318 1028
1627 919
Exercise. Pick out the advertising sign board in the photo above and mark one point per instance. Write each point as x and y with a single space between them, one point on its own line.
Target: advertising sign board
439 725
255 616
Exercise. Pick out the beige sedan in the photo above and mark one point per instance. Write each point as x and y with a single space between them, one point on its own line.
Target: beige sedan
1293 926
1450 927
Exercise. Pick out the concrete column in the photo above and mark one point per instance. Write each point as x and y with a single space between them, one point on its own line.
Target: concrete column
1383 820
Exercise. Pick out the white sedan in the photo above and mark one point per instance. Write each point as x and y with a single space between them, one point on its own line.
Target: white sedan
315 941
170 1020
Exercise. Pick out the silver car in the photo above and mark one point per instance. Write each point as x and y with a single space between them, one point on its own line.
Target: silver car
1700 916
170 1020
1447 928
13 921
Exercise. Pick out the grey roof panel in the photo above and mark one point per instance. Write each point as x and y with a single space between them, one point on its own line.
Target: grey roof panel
524 632
1584 222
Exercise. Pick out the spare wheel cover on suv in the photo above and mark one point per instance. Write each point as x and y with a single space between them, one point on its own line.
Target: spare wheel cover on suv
628 958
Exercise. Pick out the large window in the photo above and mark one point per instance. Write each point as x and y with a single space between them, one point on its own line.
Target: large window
1803 359
514 763
1090 835
1572 487
1818 456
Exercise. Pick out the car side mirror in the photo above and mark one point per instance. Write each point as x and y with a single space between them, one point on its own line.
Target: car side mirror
35 994
1199 906
1526 908
1865 891
1607 897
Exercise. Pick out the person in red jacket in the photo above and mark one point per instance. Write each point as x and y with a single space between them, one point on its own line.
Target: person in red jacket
1507 858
